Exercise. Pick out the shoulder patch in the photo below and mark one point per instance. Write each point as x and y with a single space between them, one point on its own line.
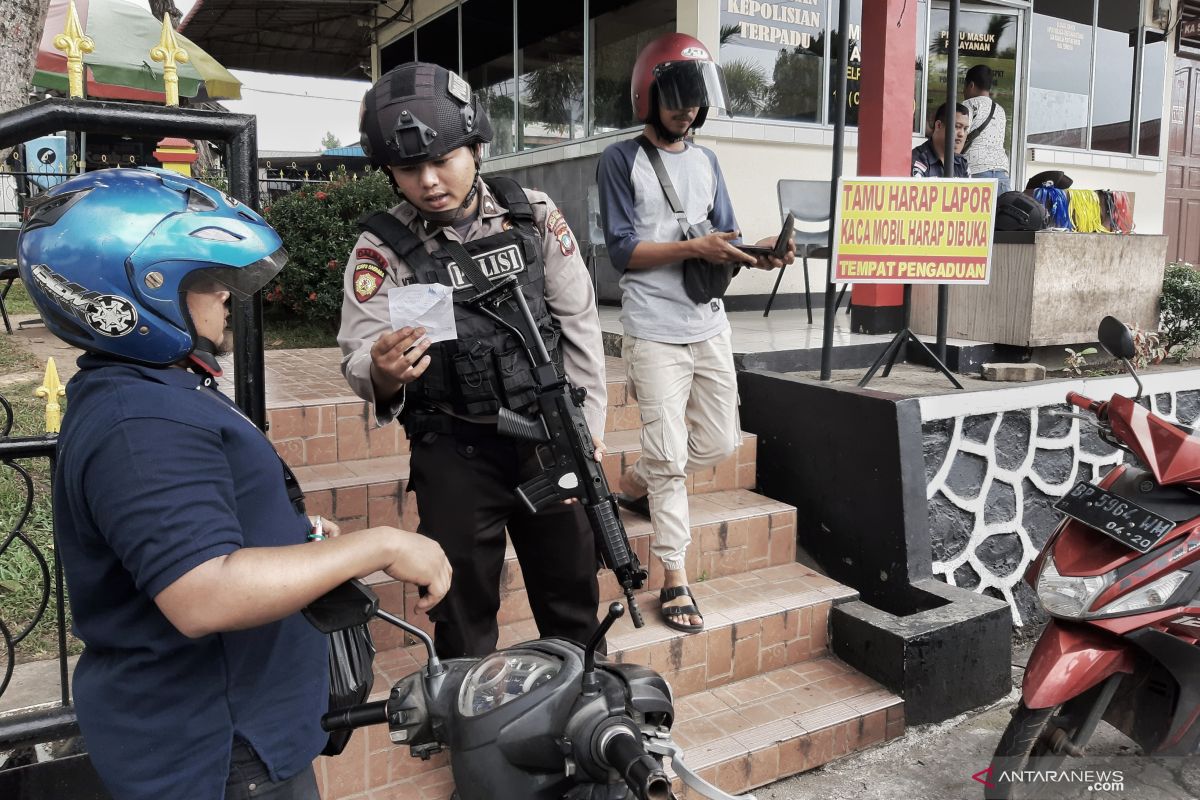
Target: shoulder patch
368 278
919 168
371 254
556 226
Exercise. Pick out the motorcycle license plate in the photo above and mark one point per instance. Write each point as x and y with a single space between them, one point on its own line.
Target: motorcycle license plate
1113 515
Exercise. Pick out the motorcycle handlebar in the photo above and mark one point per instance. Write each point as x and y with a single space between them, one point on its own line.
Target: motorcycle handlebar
1086 403
345 719
644 775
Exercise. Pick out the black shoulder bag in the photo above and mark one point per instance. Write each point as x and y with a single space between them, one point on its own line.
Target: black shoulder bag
702 280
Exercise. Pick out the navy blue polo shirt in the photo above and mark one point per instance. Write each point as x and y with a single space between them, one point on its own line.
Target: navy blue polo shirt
156 475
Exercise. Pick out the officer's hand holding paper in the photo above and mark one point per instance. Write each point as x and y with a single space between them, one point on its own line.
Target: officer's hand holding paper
424 305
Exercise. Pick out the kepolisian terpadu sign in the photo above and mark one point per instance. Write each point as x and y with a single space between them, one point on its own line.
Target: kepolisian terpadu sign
914 230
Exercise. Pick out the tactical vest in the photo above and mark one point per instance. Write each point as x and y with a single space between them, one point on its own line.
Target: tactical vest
486 367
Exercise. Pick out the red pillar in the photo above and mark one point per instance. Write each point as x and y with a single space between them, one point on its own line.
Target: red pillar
889 55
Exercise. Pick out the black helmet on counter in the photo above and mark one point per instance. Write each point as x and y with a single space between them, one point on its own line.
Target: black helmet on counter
418 112
1017 211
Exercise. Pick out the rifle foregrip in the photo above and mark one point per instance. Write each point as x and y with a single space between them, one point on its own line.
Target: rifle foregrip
614 542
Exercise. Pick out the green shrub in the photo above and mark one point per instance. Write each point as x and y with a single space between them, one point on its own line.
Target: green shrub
318 228
1179 329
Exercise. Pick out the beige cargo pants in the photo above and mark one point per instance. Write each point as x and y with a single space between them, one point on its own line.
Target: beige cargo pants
687 395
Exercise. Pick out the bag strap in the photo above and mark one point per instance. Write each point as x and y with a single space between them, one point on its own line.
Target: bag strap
513 196
295 492
973 135
664 180
469 266
394 233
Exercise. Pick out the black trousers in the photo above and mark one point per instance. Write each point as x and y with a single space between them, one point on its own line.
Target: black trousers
248 779
465 496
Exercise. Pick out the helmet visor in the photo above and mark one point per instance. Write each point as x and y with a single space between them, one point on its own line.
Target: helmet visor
241 282
690 84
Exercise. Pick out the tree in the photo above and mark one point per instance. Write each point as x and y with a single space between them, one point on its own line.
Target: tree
329 141
160 7
21 31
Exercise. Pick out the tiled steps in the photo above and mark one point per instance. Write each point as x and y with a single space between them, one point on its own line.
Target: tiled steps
341 428
371 491
757 695
732 532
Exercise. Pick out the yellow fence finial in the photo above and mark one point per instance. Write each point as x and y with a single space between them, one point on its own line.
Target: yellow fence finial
74 43
52 389
169 53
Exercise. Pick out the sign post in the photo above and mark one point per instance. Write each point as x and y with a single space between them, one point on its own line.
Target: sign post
913 230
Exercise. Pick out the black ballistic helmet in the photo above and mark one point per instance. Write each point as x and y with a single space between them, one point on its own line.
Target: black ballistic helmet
1017 211
418 112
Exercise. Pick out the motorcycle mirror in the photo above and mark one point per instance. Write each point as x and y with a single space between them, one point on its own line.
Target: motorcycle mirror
1116 338
345 606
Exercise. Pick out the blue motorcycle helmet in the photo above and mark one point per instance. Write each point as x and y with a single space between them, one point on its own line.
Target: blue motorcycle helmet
108 256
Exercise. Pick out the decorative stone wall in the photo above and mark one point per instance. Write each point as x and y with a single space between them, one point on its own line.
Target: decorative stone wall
995 462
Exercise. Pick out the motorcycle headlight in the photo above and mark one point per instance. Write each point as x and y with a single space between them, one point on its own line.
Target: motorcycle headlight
1149 596
503 677
1066 595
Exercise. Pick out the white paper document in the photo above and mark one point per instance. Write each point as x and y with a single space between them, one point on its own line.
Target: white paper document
424 305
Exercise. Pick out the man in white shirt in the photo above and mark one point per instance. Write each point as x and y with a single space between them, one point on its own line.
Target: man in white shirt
985 141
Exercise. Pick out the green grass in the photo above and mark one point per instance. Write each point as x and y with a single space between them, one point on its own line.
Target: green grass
18 301
21 579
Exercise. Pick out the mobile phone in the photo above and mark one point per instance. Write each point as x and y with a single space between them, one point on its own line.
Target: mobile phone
781 242
755 249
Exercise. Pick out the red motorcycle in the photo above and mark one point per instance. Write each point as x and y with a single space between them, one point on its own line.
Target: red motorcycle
1120 578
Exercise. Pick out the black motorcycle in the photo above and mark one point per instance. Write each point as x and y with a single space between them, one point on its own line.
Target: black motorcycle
543 720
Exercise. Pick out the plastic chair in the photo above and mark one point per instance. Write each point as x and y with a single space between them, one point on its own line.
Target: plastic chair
809 202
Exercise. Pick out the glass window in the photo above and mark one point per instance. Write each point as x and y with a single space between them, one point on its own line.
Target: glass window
1112 109
401 51
437 41
983 38
1154 69
1060 72
550 72
487 36
773 56
620 29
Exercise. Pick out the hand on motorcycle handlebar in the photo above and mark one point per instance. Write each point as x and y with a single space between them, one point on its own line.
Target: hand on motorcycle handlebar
420 560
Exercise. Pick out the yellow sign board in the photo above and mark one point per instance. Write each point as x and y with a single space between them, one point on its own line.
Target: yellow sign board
914 230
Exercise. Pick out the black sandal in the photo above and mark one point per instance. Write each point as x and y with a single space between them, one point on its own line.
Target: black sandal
638 505
672 613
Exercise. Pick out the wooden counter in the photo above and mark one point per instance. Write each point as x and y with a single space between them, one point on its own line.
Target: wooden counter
1052 288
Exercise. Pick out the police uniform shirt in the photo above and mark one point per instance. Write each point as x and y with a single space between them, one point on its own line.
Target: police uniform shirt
926 164
372 269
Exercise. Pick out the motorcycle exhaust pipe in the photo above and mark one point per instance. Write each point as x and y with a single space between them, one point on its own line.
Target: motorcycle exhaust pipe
643 774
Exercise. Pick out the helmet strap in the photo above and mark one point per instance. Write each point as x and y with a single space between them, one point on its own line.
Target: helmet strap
203 359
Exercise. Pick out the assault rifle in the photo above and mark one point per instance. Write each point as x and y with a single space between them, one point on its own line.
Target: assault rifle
565 452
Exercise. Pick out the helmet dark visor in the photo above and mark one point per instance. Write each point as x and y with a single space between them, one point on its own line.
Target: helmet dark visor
242 282
690 84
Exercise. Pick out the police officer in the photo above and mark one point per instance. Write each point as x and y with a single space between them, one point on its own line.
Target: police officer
929 157
421 125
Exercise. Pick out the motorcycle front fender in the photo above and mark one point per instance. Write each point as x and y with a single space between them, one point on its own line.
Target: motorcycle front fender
1069 659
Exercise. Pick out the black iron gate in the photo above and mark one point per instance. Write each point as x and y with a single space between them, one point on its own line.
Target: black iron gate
26 735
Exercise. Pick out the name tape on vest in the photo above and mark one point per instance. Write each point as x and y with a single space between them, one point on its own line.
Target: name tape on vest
495 264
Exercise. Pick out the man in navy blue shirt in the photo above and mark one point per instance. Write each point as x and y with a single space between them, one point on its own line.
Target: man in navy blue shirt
186 560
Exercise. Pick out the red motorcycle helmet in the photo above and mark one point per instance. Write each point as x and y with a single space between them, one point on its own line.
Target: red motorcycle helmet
676 71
